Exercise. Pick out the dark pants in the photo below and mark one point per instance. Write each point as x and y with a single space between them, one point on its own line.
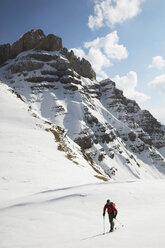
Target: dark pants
111 216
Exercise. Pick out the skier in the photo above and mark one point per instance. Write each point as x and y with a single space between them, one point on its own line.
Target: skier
112 212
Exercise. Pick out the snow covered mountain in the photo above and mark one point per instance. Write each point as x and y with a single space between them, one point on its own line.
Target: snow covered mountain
48 93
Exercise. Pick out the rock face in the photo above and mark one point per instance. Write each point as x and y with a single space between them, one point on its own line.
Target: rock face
147 127
5 53
116 100
114 134
36 39
152 127
82 67
55 43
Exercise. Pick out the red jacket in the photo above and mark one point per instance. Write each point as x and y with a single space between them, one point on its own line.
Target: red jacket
111 209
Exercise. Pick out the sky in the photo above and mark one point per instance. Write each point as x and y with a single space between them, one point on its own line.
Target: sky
123 39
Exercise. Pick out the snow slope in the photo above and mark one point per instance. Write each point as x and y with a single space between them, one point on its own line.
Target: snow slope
30 160
72 217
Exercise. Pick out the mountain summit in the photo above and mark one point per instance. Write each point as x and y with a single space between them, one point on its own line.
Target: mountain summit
111 133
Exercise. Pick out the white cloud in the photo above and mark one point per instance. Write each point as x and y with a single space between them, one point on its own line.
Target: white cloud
128 84
157 62
109 45
98 60
159 83
96 21
111 12
101 52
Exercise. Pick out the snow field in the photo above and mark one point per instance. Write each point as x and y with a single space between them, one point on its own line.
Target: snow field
72 217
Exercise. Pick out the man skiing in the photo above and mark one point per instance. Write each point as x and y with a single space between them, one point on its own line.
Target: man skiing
112 212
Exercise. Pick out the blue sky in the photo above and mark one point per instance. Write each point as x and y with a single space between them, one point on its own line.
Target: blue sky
123 39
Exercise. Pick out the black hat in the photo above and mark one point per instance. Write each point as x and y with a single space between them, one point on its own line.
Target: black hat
108 201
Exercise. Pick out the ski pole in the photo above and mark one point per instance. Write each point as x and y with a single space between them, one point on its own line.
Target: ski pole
103 224
119 222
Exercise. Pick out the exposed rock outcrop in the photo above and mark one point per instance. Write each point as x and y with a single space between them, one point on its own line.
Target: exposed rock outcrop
26 65
152 127
36 39
116 99
81 66
148 129
5 52
84 142
55 42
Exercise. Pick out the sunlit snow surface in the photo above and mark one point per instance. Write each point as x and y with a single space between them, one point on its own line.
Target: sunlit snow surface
72 217
28 153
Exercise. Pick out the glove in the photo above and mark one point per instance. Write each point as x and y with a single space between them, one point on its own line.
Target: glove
114 216
103 214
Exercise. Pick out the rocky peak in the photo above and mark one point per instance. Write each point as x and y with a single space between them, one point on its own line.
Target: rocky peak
129 112
111 130
152 127
81 66
36 39
115 98
5 52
